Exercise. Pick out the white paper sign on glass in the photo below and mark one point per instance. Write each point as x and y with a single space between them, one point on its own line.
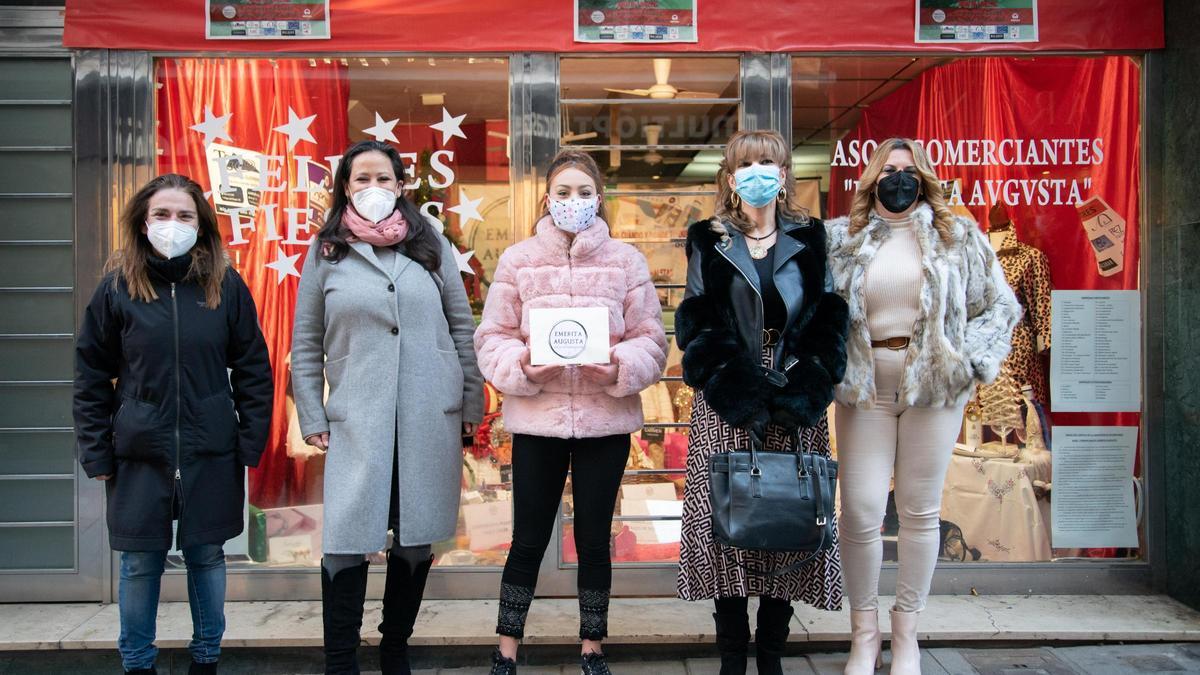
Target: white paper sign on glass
1094 504
568 336
1095 365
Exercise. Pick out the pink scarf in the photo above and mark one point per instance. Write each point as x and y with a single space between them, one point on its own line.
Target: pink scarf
387 232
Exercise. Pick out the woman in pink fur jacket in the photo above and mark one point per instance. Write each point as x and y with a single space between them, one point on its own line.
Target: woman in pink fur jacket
568 417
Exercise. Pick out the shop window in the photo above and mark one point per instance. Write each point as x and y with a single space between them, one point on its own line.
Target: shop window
263 135
1043 153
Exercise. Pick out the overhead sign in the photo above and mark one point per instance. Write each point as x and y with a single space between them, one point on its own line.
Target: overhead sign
638 21
267 20
965 21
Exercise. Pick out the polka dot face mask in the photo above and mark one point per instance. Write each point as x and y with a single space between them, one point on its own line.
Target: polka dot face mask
574 215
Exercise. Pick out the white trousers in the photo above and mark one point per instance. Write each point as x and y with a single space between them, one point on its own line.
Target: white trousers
914 443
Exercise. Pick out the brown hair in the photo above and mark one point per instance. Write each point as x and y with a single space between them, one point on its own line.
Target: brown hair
208 255
576 159
863 204
752 146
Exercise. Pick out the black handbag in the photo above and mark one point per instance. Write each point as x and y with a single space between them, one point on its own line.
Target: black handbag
773 501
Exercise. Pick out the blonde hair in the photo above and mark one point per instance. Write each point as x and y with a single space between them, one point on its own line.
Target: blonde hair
752 146
863 204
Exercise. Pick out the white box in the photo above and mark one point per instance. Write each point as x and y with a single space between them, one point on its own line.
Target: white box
568 336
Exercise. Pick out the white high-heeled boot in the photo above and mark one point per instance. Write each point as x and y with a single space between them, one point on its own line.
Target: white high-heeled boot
866 643
906 654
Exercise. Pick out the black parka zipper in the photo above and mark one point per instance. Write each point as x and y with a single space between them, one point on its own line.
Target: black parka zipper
176 483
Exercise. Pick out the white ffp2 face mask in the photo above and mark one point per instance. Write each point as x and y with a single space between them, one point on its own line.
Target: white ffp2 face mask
574 215
374 203
171 238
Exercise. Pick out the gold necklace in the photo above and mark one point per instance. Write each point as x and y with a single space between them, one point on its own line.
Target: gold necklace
757 250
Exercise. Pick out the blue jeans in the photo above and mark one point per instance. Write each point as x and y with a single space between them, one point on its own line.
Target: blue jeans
141 577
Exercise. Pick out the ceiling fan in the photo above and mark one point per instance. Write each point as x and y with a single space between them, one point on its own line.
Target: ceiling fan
653 157
662 88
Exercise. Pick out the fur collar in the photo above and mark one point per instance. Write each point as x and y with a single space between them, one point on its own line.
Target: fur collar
878 230
581 245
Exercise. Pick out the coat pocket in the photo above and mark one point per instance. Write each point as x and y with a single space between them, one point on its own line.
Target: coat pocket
453 379
140 433
218 426
336 406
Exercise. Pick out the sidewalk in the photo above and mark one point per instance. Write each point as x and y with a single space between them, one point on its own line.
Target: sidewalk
965 634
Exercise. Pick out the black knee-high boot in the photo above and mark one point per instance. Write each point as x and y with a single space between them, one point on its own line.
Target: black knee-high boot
403 590
733 635
342 599
770 638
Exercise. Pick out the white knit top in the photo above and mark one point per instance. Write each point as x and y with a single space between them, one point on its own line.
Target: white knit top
893 283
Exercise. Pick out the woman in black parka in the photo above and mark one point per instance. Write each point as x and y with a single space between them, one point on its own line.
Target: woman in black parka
173 397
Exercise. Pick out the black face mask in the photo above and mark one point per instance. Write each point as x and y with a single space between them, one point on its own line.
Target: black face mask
898 191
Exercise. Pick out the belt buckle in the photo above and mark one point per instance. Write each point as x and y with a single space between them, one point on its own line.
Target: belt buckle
897 344
770 337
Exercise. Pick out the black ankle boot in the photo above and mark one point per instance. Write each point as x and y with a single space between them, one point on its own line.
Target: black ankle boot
202 668
502 665
733 641
342 599
770 638
403 590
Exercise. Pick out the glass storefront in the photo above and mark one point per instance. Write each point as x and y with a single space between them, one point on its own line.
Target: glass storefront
1020 143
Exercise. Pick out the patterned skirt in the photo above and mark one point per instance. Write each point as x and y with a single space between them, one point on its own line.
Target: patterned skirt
709 569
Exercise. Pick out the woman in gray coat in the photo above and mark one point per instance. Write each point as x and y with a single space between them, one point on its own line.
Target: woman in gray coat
383 318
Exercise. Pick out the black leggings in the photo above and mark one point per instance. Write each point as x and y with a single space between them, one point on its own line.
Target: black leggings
540 466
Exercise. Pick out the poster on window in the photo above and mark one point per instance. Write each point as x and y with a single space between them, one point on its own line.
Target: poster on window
962 21
650 21
267 20
236 176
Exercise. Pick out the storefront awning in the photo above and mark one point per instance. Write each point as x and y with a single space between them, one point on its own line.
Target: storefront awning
546 25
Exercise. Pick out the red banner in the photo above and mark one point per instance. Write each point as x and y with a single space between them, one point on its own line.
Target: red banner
464 26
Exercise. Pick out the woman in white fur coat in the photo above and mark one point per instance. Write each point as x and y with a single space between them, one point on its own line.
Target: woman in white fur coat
930 316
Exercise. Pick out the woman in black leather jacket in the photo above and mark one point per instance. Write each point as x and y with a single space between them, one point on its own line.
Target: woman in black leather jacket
764 345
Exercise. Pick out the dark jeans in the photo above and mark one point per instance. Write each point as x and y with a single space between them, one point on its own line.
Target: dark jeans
540 466
141 578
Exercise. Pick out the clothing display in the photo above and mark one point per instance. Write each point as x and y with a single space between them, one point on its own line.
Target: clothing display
1028 274
995 504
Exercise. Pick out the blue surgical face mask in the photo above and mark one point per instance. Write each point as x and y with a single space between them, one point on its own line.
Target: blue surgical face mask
758 184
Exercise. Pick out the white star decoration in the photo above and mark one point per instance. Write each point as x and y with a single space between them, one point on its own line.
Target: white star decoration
284 265
449 126
467 209
464 260
382 131
214 128
297 128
